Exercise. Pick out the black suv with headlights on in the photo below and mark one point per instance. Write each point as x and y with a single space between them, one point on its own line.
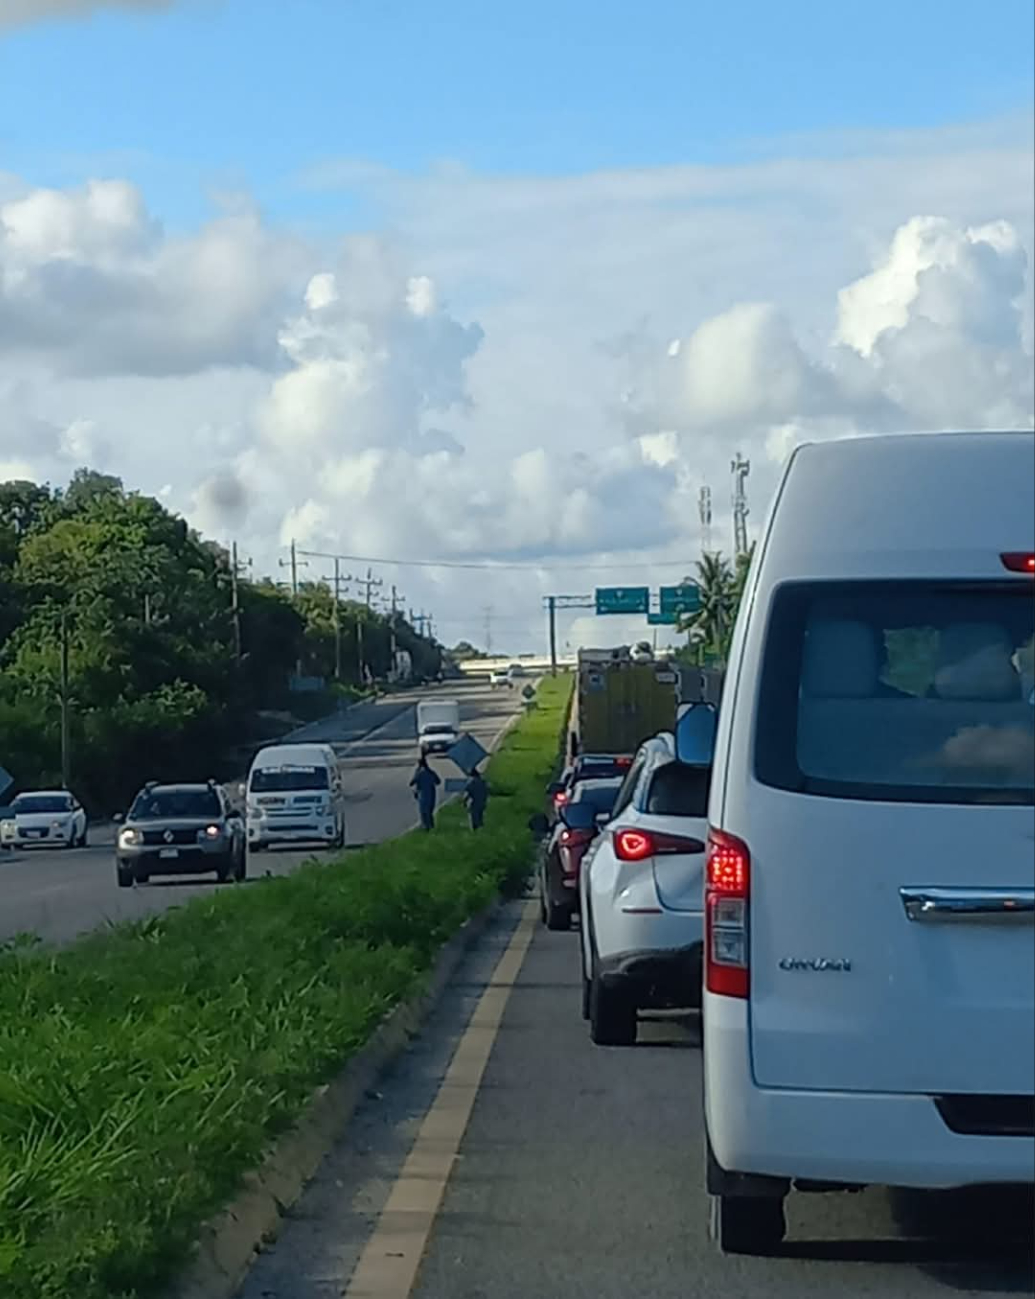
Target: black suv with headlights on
180 830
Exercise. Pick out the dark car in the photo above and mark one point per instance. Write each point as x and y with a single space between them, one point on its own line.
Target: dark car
180 830
577 826
587 766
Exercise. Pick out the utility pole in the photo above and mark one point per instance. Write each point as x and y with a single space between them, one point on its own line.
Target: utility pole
740 468
555 602
66 745
371 583
488 611
235 602
294 563
338 581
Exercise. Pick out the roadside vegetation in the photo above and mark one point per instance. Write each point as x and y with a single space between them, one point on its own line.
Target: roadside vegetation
146 1068
163 676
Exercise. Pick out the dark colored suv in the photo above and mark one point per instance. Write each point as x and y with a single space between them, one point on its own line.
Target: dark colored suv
180 830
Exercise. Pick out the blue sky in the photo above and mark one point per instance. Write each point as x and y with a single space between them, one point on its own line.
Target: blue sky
227 95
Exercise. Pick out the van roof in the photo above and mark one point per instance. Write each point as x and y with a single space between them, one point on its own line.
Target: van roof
902 505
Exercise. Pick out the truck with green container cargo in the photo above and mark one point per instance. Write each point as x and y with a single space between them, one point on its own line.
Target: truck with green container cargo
620 702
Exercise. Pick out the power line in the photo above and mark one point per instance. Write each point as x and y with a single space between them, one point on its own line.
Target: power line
494 565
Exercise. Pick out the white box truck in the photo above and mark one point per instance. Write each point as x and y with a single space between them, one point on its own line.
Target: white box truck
438 725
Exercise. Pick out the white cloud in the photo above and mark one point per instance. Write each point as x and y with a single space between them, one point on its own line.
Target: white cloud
14 13
89 283
538 371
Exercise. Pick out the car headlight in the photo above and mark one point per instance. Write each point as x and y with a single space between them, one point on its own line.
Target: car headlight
210 833
130 838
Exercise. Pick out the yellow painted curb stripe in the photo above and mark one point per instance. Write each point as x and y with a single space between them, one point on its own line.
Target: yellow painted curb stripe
388 1266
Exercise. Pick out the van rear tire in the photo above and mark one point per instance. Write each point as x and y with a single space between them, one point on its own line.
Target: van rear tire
743 1224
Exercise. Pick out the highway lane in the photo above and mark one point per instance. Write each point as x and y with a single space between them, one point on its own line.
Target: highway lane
579 1176
59 894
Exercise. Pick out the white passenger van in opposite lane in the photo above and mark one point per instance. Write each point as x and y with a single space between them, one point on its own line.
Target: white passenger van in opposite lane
868 1004
295 795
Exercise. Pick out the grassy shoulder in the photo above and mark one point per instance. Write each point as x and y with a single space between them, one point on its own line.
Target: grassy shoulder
145 1069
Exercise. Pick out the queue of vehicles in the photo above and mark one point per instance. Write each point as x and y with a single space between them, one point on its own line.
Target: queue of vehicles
836 867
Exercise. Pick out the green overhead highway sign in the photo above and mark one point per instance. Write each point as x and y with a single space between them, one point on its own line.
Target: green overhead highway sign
623 599
662 619
677 600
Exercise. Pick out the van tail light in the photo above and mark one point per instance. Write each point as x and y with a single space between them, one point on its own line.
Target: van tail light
638 845
1019 561
727 893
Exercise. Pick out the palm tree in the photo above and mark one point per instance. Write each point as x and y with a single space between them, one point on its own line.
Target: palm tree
713 619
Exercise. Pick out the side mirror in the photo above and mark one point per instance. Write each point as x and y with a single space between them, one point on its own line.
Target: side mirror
696 725
579 816
539 825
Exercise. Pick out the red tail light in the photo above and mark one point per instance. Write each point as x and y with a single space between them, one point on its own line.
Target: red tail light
560 798
573 838
726 896
623 762
1019 561
638 845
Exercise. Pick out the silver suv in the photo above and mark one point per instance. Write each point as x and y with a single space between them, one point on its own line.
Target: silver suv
180 830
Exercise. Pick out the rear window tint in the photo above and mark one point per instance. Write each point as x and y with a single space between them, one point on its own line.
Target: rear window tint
900 691
601 797
676 790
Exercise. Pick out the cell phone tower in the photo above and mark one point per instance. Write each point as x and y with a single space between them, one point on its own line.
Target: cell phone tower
704 507
740 468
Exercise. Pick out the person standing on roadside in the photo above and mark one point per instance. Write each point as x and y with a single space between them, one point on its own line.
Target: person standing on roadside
425 785
476 796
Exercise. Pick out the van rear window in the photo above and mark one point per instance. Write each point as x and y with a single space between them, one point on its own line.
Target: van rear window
900 691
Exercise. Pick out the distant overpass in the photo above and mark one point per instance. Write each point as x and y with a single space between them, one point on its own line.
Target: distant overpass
534 663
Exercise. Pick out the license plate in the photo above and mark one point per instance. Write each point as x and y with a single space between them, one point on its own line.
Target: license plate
167 853
34 834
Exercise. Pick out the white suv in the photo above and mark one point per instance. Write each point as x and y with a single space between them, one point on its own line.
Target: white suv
868 1005
641 891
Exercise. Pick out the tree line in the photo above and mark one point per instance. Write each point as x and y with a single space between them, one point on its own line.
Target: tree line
164 662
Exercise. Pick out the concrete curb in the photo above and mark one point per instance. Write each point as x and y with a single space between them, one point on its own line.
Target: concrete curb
229 1242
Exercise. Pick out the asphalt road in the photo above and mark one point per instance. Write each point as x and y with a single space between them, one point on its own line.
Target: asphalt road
60 894
579 1176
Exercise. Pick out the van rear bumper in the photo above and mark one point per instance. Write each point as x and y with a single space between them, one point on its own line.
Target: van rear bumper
865 1138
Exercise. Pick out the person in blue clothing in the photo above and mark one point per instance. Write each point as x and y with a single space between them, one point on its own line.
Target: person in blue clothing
476 796
425 785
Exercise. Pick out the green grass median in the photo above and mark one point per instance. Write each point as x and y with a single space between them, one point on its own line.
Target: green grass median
145 1069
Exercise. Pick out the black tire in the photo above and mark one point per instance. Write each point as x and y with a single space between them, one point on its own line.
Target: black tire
140 875
586 986
742 1224
241 868
612 1015
558 917
339 842
226 870
125 876
84 840
542 898
257 846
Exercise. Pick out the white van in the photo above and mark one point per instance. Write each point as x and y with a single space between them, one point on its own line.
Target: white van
868 1007
295 795
438 725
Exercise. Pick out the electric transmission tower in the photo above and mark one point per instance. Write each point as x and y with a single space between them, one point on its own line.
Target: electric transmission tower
704 507
740 468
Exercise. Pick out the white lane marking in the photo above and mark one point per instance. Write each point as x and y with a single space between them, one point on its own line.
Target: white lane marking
388 1266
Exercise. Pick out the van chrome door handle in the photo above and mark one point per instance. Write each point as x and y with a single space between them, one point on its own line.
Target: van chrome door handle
986 904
